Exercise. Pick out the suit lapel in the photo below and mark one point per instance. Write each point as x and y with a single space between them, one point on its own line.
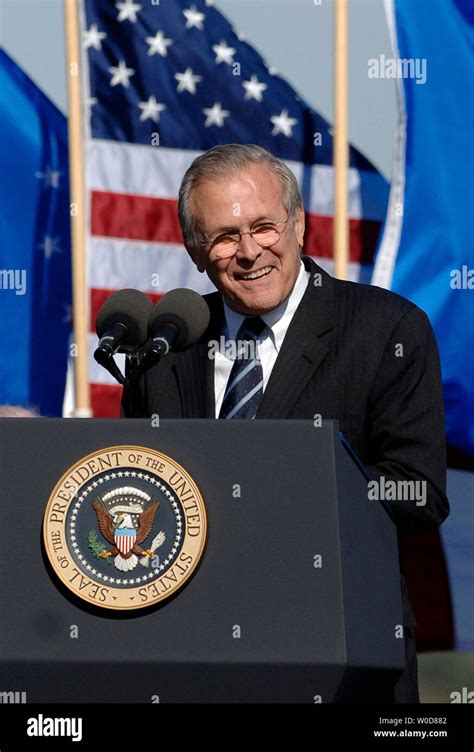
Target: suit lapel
302 351
300 356
195 370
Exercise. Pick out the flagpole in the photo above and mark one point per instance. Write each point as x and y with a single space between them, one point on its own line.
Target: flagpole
82 407
340 157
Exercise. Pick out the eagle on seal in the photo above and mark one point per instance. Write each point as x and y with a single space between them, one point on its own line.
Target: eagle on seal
121 533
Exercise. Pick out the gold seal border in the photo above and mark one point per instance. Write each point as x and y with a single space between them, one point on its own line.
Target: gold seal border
62 572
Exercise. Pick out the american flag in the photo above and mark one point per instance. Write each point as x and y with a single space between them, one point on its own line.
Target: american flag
163 82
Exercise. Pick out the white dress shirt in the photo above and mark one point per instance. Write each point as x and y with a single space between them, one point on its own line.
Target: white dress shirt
268 343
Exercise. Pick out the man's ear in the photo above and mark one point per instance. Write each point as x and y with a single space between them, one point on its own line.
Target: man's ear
195 259
300 226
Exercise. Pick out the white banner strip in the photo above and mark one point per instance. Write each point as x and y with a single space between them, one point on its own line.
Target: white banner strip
116 263
157 172
159 267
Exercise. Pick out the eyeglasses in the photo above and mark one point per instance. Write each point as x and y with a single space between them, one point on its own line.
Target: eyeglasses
265 235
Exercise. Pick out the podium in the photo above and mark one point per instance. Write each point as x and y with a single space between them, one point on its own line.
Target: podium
296 598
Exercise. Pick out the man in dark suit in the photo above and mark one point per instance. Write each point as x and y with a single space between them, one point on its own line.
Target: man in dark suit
311 345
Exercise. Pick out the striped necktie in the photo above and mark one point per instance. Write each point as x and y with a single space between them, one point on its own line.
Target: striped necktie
244 388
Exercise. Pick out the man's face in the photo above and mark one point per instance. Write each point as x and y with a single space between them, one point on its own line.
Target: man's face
241 202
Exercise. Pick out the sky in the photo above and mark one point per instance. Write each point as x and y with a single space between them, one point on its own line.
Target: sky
295 36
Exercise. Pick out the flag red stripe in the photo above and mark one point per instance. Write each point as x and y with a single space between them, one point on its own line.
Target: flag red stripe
363 236
105 400
123 215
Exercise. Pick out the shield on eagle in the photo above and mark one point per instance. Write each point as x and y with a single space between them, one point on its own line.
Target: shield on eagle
124 539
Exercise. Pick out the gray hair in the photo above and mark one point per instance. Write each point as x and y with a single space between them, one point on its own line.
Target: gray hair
217 163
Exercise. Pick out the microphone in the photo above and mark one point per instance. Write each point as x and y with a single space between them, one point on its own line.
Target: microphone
121 323
176 322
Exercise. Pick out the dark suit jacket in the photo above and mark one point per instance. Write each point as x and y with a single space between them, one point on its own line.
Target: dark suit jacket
354 352
358 353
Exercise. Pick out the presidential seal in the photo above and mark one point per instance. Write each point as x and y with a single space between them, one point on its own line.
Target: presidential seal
125 527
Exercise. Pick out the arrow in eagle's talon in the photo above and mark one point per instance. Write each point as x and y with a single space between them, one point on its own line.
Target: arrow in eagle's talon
157 541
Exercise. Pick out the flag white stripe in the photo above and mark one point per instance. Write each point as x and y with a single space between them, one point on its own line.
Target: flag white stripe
118 263
150 267
153 171
355 272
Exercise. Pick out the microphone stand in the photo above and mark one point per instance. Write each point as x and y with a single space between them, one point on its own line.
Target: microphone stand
137 361
106 360
105 357
133 400
153 350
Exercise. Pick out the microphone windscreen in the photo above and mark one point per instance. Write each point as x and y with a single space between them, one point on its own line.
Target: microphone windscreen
187 310
130 308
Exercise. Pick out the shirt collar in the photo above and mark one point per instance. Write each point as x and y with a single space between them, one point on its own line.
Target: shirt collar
276 320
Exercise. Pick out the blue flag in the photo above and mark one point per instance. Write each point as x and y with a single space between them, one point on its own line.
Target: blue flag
427 253
35 248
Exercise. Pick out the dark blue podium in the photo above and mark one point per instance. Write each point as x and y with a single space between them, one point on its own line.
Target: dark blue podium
296 598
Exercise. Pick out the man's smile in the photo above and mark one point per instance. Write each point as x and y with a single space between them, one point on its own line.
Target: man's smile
256 274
